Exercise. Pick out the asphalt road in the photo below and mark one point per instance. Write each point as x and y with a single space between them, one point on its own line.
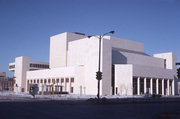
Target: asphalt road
86 110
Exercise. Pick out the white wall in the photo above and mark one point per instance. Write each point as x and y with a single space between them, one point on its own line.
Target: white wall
170 59
154 72
126 44
79 82
106 67
64 72
138 59
84 52
51 73
170 64
21 66
123 78
59 47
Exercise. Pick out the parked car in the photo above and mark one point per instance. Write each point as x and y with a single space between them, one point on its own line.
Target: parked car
147 95
156 95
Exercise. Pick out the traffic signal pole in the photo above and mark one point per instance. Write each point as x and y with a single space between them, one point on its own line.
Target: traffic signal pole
99 73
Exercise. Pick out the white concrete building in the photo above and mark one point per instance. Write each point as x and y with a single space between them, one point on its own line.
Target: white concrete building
20 67
126 68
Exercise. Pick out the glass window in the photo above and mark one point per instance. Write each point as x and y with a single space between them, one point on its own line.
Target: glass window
72 79
39 65
57 80
62 80
67 79
11 66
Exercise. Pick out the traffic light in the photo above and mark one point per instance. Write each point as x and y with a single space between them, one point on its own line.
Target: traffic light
178 72
98 75
34 90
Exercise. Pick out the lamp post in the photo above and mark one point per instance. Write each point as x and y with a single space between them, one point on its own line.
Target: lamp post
99 72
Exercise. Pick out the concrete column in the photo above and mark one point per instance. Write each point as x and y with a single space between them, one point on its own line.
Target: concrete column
145 88
42 89
65 84
151 86
157 86
138 86
162 86
168 87
173 93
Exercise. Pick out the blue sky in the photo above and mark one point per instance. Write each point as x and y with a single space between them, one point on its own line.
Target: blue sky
26 25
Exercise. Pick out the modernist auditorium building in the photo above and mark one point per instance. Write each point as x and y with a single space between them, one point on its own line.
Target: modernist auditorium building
73 63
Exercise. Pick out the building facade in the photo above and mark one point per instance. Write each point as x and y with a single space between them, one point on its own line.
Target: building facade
127 69
6 83
2 75
20 67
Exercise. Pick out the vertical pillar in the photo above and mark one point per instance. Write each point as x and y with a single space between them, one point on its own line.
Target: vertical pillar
62 85
151 86
42 89
157 86
70 84
145 88
138 86
167 86
162 86
173 93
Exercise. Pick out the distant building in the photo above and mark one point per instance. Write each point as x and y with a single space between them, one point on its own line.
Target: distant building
127 69
6 83
2 75
20 67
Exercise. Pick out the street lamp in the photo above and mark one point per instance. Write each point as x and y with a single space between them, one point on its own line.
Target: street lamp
99 73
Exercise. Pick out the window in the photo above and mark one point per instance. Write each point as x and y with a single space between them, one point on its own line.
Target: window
34 81
62 80
49 80
11 66
39 65
38 81
44 80
67 80
57 80
41 81
72 80
31 81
